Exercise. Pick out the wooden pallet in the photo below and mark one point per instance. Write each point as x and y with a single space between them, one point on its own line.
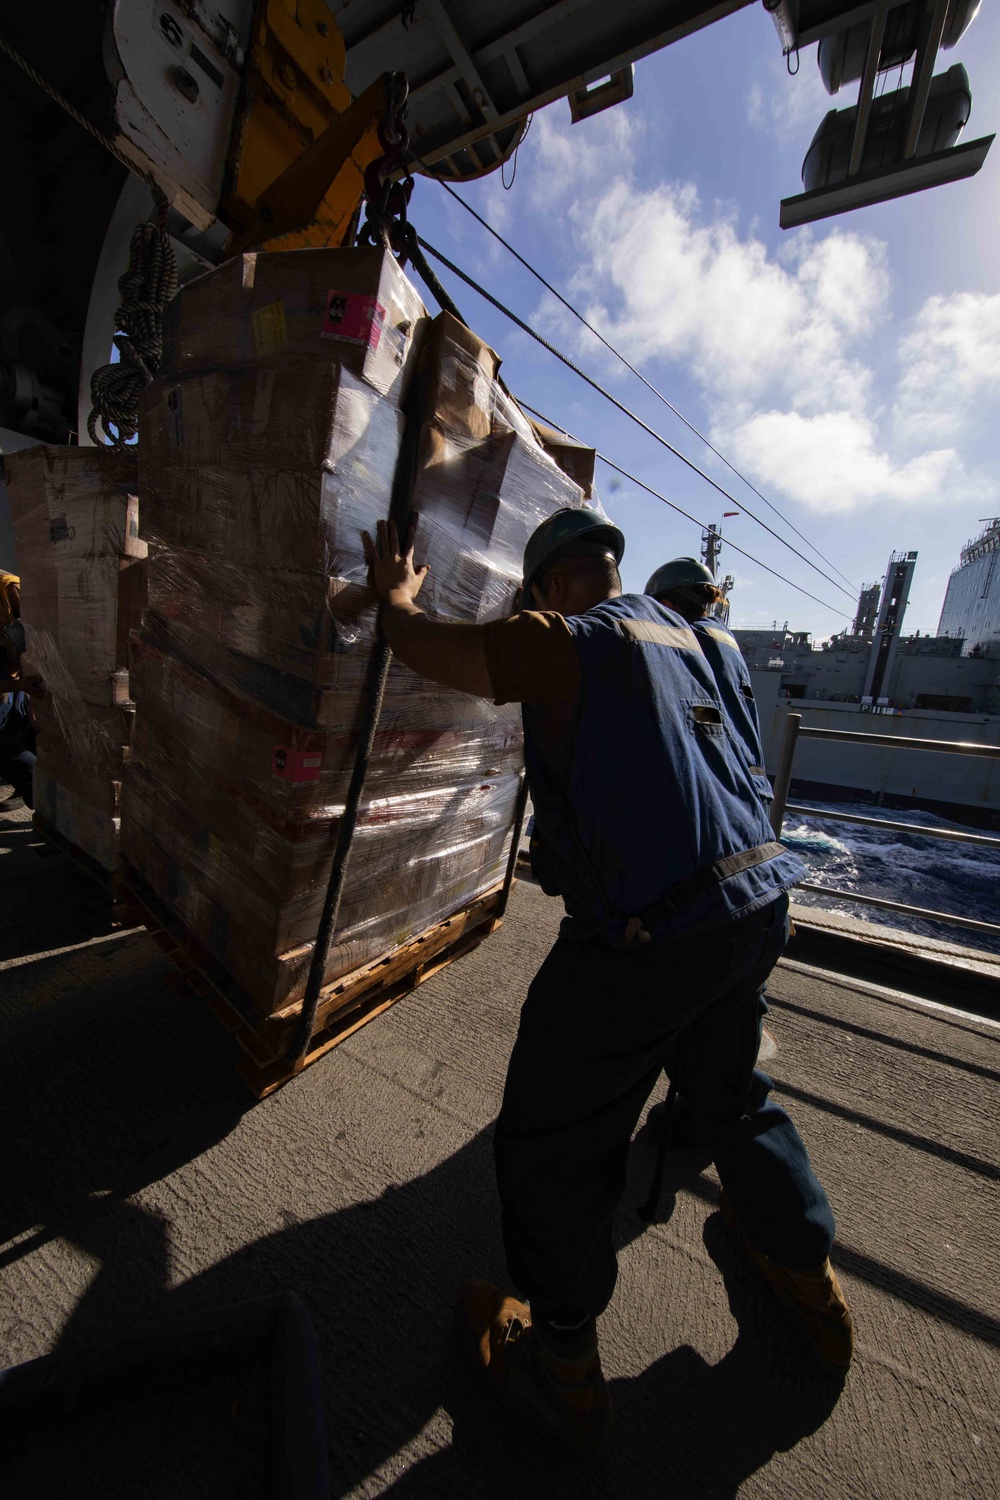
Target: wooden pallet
109 883
344 1006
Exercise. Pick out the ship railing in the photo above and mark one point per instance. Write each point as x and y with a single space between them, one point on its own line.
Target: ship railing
794 732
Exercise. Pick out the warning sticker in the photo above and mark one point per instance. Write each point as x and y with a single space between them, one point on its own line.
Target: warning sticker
353 317
295 765
269 331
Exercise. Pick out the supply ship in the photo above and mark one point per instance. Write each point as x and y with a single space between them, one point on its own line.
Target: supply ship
877 679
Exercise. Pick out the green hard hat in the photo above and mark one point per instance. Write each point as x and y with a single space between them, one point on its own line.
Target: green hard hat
566 532
682 570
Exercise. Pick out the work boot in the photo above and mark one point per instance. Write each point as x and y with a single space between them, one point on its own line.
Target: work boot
568 1398
813 1297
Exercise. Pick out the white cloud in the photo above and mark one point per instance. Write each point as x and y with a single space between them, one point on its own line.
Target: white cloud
789 347
833 462
686 287
755 105
794 103
786 350
567 160
950 364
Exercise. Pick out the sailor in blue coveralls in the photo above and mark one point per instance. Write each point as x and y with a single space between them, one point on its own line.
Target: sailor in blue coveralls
650 826
688 587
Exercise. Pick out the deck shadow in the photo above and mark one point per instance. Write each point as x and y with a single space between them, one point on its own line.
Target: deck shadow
111 1082
47 904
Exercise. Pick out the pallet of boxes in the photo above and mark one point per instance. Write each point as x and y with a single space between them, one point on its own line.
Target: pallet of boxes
268 443
83 585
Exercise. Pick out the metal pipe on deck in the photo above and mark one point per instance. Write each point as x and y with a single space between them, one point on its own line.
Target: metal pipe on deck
898 741
924 913
932 833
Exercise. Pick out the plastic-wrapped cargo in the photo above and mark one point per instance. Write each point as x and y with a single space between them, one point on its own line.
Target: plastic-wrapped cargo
414 860
260 465
82 824
76 520
83 589
352 308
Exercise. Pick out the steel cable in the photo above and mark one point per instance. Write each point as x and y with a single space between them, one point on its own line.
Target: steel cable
633 479
595 385
639 376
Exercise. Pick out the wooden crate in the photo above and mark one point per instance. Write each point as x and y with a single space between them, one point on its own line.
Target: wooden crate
345 1005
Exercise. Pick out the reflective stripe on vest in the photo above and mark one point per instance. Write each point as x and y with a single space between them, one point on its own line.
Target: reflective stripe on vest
718 633
678 636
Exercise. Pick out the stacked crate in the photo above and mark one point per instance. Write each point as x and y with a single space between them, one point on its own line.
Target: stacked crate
82 590
267 445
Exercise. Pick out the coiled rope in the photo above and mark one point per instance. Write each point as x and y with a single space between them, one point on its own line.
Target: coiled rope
146 288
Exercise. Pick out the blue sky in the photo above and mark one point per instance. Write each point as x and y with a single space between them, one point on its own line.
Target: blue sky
851 369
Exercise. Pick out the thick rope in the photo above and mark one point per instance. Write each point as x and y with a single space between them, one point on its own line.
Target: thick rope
146 288
75 114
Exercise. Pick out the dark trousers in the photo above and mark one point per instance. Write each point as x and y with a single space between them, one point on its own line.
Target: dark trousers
596 1029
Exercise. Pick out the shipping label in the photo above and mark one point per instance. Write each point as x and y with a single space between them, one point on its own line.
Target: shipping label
296 766
353 317
269 330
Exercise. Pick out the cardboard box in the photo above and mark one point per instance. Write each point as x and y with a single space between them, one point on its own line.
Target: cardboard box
192 732
414 859
301 643
478 505
82 566
353 307
575 459
66 495
295 494
88 828
85 751
458 373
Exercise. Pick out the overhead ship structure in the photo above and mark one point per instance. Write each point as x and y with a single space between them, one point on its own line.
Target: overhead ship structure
972 603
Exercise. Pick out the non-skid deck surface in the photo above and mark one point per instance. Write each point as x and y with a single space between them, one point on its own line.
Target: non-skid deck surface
141 1183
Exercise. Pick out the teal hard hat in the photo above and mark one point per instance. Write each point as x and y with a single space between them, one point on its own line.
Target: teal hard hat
682 570
566 532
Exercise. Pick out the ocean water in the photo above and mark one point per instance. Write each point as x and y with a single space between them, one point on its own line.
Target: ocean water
963 879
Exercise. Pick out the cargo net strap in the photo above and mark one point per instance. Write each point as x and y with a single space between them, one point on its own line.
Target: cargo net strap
146 287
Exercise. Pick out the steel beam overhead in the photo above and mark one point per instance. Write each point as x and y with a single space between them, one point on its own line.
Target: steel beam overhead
950 165
445 28
519 64
931 32
840 22
866 91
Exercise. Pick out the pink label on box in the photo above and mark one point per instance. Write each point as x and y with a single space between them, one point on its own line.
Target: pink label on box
296 765
354 317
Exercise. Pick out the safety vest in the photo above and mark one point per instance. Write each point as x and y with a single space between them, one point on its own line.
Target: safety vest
654 827
733 680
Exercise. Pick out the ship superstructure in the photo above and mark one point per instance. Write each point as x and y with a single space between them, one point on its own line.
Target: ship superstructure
972 602
938 687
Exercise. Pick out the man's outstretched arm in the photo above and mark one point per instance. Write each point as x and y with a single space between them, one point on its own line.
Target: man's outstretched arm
454 655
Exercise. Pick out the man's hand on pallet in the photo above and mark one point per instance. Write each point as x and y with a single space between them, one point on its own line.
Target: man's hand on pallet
393 574
448 653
